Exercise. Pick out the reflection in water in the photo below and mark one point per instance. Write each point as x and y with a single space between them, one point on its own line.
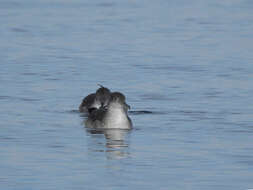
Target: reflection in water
116 146
115 143
115 138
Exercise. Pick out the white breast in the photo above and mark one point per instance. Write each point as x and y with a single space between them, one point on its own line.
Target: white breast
116 117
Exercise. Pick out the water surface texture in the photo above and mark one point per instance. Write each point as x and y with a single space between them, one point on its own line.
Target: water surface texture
186 68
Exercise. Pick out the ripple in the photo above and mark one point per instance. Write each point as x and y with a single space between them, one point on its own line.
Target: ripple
30 99
105 4
4 97
145 112
52 79
7 138
140 112
73 111
56 146
19 30
155 97
29 74
171 68
19 98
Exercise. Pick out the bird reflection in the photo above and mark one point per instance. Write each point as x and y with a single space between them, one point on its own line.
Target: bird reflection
115 138
116 147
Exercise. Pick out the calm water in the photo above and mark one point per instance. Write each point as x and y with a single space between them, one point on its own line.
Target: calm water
187 64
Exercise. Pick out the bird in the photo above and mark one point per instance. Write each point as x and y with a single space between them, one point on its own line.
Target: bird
95 100
106 110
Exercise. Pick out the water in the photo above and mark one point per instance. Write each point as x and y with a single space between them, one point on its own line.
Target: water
184 66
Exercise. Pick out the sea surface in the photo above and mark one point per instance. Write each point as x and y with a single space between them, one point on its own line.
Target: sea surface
186 68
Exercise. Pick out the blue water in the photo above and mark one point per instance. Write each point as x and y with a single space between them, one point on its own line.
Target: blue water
186 68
